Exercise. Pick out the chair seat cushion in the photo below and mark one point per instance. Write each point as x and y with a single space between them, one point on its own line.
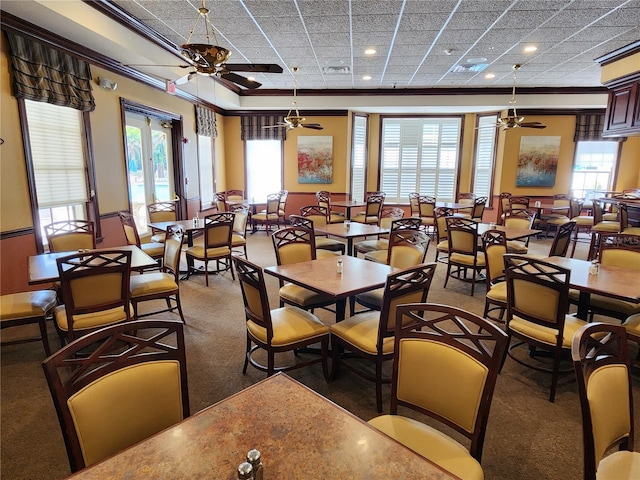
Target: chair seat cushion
443 246
632 324
605 226
336 217
428 221
618 465
26 304
152 283
430 443
158 238
320 253
329 244
263 217
303 297
153 249
498 292
514 246
632 231
558 220
238 240
197 251
361 331
607 303
361 218
462 259
545 334
583 220
290 325
610 217
378 256
371 245
371 298
91 320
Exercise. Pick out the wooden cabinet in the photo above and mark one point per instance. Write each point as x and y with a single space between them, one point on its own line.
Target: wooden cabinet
623 110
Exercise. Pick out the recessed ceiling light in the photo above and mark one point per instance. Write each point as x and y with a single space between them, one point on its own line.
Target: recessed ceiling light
530 48
253 79
367 77
370 51
489 76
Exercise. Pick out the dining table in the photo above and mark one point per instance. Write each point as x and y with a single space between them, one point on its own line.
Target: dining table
299 434
614 282
43 268
454 205
189 226
348 205
349 231
511 233
321 276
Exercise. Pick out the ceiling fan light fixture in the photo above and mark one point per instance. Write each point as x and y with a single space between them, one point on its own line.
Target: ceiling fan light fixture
205 55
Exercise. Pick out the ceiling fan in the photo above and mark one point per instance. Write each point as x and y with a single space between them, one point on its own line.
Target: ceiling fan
512 120
211 60
295 121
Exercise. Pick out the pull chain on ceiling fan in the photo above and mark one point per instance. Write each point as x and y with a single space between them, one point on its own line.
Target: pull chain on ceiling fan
295 121
512 120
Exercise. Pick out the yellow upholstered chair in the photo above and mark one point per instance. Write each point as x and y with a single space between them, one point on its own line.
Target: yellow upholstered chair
616 250
239 235
161 212
370 335
283 329
503 205
427 205
583 222
623 209
220 200
218 232
282 207
377 249
537 306
442 239
164 284
70 235
117 396
407 247
494 244
467 198
153 249
414 204
477 211
519 218
269 216
446 363
599 227
561 241
601 361
28 308
233 197
95 291
373 210
323 198
317 215
462 234
294 245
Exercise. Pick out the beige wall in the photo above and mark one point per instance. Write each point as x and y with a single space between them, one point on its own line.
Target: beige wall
620 68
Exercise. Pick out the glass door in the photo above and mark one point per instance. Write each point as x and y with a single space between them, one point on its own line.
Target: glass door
149 164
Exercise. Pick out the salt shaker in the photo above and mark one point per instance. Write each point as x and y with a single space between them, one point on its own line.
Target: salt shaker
245 471
594 268
339 266
255 459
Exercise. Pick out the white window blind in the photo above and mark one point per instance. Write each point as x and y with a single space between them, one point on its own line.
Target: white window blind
594 167
264 168
359 157
56 137
420 155
485 155
205 170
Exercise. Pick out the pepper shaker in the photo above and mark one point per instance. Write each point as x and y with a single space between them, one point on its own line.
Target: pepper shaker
245 471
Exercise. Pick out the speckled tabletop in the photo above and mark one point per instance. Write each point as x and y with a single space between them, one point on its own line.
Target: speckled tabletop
300 434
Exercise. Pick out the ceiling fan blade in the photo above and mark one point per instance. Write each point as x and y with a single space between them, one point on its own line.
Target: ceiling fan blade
184 79
532 125
314 126
277 125
253 67
240 80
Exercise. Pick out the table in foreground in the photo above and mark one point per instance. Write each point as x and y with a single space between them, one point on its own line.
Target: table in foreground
300 434
614 282
355 230
44 269
320 275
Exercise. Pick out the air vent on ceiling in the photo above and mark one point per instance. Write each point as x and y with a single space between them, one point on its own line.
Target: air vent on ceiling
478 67
336 70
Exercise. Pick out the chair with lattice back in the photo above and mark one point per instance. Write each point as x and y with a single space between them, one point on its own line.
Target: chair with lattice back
70 235
161 212
154 249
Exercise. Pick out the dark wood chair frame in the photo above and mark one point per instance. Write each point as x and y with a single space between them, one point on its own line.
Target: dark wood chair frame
427 207
113 348
562 240
594 346
494 239
252 275
161 210
397 285
463 331
457 226
69 227
315 211
323 197
212 222
127 220
273 205
441 233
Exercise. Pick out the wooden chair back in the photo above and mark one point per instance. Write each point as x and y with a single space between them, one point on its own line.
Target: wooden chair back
462 234
407 247
129 227
293 245
316 213
162 212
220 199
478 208
414 205
441 213
620 250
254 295
218 230
133 385
173 244
467 198
494 243
562 240
70 235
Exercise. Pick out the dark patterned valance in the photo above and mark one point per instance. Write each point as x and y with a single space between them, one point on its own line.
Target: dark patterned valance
206 122
589 126
253 127
44 74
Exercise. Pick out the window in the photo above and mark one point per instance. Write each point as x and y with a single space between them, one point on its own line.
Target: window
58 156
359 157
594 167
485 155
419 155
264 168
205 171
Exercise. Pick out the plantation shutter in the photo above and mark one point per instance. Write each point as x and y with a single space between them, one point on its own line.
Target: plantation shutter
359 157
485 155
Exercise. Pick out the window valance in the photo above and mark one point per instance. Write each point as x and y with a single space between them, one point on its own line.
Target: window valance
206 122
589 127
253 127
45 74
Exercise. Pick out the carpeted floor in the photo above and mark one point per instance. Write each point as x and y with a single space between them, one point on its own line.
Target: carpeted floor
527 437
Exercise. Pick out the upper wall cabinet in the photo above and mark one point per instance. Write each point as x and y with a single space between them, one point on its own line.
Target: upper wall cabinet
621 74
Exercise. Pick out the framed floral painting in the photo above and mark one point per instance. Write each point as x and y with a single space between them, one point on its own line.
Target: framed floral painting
315 159
538 161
